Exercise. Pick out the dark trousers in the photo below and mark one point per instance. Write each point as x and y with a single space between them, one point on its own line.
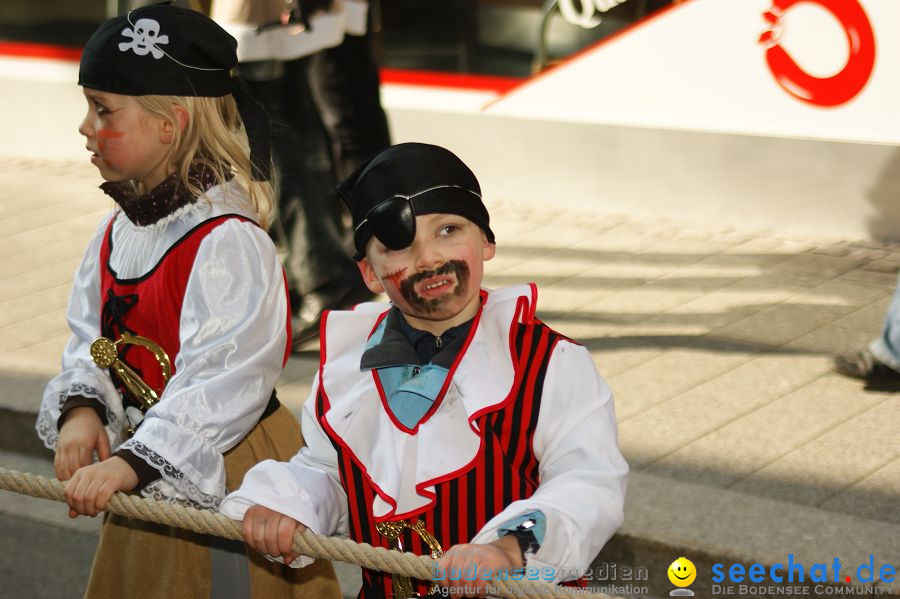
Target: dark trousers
345 85
308 225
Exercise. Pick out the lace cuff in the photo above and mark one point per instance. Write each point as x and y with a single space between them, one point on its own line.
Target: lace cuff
145 472
58 393
173 485
77 401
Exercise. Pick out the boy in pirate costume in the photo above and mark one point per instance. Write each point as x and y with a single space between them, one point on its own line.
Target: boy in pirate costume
453 420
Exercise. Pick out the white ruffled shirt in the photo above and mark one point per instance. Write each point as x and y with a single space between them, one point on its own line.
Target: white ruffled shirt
582 471
232 332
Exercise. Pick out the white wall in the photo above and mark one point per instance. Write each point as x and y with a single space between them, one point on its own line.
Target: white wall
808 187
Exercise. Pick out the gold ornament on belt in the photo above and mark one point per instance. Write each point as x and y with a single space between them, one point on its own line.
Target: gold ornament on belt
105 353
403 587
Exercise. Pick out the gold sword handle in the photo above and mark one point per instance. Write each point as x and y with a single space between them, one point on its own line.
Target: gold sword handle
105 354
403 587
433 544
390 530
158 352
436 551
141 390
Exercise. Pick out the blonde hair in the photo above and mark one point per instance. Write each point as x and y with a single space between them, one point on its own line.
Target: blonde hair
214 137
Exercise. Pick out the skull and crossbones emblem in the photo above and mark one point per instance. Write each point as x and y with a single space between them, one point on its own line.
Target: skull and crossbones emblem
144 38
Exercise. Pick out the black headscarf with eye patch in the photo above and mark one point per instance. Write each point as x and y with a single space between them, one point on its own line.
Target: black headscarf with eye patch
388 190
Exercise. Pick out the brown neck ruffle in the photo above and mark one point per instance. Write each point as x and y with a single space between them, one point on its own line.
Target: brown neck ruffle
161 201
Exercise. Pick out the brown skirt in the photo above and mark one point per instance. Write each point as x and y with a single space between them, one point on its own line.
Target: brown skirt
138 559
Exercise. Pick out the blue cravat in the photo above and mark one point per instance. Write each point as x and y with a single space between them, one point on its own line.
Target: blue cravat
411 390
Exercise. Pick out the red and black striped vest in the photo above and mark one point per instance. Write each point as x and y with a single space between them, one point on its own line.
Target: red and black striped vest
505 471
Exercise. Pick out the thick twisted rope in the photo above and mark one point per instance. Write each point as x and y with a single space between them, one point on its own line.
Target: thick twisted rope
305 543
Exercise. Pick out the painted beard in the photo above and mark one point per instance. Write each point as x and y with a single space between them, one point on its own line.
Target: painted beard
429 306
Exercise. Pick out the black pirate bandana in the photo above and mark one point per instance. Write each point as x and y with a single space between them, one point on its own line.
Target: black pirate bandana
171 51
388 190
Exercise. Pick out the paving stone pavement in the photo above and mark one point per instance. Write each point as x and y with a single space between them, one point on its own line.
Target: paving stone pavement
716 344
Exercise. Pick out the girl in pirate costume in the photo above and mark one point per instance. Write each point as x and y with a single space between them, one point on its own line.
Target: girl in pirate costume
179 313
453 421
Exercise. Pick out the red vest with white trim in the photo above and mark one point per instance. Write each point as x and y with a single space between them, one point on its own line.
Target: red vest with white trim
150 305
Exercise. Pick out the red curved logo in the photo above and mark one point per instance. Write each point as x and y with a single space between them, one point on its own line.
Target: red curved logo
823 91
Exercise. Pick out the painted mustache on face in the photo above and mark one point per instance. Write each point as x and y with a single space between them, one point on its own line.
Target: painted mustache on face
407 287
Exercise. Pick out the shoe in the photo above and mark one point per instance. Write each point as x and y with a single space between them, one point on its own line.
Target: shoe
336 296
864 365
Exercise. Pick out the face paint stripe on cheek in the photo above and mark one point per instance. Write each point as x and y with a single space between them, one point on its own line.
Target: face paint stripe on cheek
109 134
104 134
395 277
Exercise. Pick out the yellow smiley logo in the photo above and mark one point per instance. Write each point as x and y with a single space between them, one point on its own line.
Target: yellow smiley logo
682 572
